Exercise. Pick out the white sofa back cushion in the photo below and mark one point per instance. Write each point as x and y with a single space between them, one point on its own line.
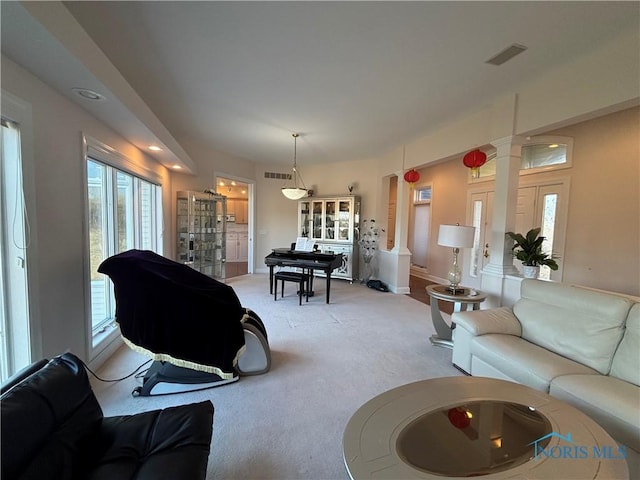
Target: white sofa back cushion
579 324
626 361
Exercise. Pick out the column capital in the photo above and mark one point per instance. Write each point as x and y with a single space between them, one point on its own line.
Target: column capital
515 140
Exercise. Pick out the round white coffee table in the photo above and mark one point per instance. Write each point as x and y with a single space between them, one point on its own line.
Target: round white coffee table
475 426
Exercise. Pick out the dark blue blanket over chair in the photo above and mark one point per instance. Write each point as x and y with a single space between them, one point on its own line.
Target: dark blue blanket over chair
175 313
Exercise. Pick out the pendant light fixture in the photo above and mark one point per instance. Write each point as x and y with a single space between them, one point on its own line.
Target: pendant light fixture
295 192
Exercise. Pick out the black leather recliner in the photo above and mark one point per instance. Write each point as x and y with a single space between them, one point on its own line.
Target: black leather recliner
54 428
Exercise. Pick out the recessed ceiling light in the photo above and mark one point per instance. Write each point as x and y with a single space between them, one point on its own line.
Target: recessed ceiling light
177 167
155 148
88 94
554 145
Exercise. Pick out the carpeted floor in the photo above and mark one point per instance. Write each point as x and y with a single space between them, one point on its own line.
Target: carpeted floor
327 360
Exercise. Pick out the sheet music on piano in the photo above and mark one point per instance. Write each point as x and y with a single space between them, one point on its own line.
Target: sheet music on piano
304 244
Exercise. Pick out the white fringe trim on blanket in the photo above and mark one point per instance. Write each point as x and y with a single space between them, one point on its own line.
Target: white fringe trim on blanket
164 357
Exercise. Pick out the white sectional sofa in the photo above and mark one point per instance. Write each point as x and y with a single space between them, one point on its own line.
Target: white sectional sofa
579 345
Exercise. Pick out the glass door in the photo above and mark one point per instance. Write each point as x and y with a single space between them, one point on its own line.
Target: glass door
305 219
218 237
183 231
318 220
331 220
481 211
344 228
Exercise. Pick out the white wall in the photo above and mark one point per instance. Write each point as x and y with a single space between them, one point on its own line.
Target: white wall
58 204
208 164
277 221
602 82
603 231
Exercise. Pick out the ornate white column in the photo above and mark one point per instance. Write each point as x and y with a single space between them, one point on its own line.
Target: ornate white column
500 278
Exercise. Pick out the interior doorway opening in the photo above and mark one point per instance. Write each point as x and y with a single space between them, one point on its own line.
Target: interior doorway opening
238 246
419 238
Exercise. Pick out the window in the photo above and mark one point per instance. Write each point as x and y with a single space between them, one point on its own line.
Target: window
124 212
538 154
543 155
14 241
422 195
549 210
477 249
418 239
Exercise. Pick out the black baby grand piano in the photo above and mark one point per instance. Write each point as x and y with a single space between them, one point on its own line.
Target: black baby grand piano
285 257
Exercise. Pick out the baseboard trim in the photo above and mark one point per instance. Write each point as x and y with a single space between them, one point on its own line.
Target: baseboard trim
96 362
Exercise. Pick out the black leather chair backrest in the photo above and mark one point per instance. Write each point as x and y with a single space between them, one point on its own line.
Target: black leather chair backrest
48 417
22 374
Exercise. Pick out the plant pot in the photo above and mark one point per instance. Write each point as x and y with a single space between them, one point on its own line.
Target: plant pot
530 272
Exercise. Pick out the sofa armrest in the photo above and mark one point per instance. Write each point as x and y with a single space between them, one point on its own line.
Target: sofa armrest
170 443
494 320
471 324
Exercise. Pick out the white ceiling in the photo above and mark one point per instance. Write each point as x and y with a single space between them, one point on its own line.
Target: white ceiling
355 79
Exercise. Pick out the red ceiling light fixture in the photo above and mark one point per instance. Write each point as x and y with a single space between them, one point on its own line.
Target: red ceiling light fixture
411 177
474 160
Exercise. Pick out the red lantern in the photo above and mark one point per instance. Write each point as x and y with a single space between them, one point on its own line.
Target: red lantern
411 177
474 160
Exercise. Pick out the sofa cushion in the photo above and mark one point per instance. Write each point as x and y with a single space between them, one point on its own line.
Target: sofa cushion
48 420
580 324
611 402
523 361
626 361
169 443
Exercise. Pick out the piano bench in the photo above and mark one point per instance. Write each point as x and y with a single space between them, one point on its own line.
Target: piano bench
302 279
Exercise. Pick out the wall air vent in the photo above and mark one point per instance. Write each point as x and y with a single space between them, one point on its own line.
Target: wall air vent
277 176
506 54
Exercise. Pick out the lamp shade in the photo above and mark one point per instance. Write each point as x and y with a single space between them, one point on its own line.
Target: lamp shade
294 193
456 236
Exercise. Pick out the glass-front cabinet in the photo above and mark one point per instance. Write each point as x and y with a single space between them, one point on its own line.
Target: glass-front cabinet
201 224
333 222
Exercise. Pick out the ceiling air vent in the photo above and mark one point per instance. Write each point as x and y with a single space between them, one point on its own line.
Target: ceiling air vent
506 54
277 176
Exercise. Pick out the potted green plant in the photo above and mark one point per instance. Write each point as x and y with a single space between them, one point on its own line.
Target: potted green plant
528 249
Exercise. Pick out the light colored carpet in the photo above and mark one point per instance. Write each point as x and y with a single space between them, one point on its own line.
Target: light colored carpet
327 360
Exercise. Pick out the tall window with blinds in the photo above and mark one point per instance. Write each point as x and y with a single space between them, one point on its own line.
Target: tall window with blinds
14 243
124 212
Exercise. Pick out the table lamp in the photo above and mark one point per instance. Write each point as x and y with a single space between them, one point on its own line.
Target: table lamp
456 236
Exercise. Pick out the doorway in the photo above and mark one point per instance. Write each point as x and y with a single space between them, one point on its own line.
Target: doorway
540 204
238 246
419 238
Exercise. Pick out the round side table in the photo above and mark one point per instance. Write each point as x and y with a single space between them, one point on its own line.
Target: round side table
467 299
